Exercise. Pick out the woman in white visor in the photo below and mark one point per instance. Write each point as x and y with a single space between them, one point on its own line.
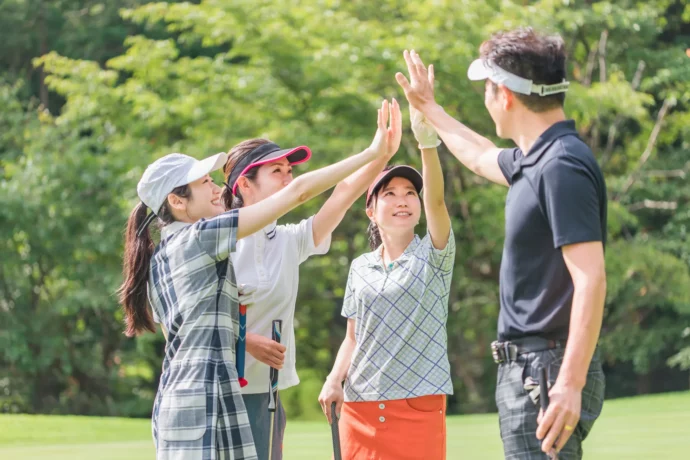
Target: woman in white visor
186 283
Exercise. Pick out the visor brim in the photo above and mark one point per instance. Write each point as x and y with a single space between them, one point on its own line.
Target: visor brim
294 156
408 172
478 70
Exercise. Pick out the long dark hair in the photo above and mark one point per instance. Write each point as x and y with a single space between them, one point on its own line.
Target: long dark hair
133 292
236 154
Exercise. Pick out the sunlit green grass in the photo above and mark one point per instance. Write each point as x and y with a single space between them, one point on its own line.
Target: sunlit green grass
650 427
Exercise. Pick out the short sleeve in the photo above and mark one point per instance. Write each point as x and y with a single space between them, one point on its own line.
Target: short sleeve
443 259
506 161
218 236
302 236
571 200
349 301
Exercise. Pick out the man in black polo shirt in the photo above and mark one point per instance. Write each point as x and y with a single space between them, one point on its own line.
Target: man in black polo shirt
552 278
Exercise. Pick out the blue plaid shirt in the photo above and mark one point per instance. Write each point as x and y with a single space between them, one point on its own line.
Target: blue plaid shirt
400 314
198 412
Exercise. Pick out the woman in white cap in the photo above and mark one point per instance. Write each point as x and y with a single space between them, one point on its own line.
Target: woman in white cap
186 283
267 265
394 358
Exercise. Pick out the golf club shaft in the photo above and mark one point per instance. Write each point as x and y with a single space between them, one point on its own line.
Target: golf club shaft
276 334
337 455
543 389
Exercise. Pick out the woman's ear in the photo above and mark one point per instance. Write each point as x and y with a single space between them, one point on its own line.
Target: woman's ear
243 185
370 214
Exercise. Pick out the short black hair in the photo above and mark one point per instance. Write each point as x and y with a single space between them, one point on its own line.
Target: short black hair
536 57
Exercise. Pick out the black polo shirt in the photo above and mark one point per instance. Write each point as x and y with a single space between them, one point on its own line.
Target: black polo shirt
557 197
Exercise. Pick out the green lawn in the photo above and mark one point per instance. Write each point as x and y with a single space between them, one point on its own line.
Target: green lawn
651 427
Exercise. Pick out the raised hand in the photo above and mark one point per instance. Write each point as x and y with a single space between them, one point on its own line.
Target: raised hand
419 90
388 136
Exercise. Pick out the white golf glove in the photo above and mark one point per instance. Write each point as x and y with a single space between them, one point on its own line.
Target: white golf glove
423 131
246 294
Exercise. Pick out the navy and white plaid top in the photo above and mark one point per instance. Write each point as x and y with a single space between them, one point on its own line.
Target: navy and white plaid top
198 412
400 316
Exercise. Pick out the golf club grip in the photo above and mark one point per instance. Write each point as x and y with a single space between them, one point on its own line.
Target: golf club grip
543 389
544 398
276 333
335 432
241 348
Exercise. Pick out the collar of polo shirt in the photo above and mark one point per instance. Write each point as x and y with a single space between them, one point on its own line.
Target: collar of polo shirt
376 258
173 227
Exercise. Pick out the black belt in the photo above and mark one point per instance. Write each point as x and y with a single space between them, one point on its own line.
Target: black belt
509 351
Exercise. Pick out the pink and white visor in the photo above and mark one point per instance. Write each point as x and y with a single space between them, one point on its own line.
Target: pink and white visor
264 154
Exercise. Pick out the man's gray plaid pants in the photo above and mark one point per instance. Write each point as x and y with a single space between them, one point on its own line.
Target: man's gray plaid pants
518 413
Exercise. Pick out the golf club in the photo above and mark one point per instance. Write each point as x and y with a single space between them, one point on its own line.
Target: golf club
544 398
276 332
241 348
335 433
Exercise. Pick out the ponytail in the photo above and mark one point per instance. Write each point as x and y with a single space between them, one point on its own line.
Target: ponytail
374 236
231 201
137 259
373 229
139 248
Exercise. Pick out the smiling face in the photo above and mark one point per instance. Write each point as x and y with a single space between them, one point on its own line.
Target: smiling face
270 178
203 203
396 209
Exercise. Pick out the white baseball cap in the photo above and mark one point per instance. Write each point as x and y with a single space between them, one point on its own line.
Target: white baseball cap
481 69
171 171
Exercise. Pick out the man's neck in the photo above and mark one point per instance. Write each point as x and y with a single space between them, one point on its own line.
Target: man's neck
528 126
394 246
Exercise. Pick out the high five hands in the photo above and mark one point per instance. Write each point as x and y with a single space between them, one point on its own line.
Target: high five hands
388 136
419 90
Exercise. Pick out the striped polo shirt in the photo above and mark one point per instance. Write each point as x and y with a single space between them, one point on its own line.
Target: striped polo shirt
400 314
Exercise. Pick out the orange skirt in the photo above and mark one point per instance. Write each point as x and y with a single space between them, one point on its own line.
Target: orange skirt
413 428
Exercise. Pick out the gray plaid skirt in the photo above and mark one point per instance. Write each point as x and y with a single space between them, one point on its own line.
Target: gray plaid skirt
518 413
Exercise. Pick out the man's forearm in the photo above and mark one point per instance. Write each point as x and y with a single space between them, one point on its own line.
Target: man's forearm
585 325
466 145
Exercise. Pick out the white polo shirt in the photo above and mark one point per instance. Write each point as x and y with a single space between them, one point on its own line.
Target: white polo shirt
267 271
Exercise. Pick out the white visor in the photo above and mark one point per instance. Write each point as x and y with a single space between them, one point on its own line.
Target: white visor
482 69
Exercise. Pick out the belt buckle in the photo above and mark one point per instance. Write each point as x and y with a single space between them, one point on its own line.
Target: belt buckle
496 352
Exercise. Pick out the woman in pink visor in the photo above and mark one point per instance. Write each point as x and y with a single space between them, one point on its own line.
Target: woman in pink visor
267 263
